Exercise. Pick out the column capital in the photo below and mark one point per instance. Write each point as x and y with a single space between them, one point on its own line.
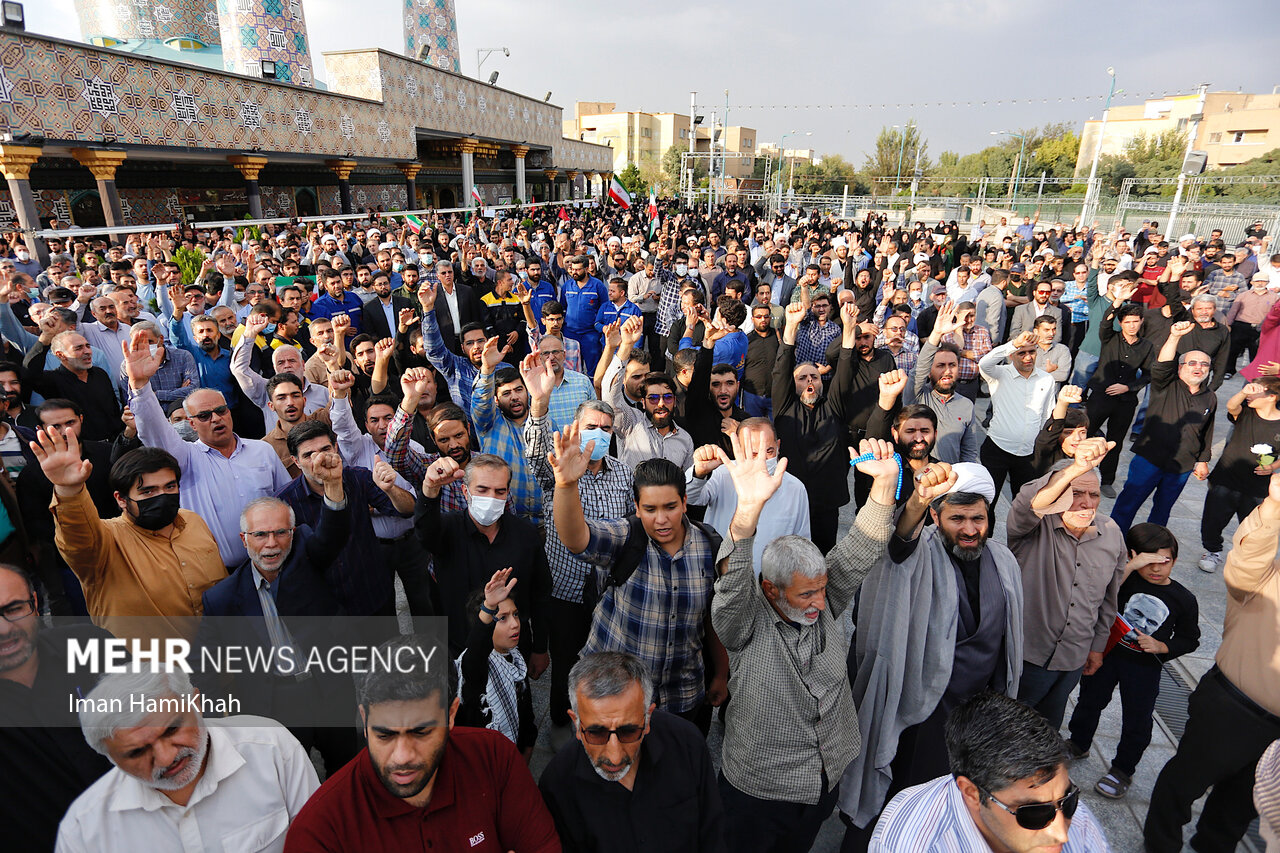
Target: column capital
551 173
467 145
16 161
248 165
521 151
342 168
409 170
572 174
102 163
593 175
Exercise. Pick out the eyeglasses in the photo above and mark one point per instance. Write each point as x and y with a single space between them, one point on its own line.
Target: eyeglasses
263 535
17 610
207 415
1039 815
660 398
1197 363
599 735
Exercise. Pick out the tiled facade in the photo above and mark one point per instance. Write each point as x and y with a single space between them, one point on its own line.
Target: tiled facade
258 30
432 23
149 19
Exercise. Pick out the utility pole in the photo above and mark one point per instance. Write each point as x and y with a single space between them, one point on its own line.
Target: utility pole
1092 193
1192 126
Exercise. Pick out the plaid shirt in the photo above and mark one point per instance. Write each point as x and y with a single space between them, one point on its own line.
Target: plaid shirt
669 298
501 437
658 614
572 349
1075 298
412 465
977 339
458 372
574 390
179 366
1219 279
812 340
908 355
606 495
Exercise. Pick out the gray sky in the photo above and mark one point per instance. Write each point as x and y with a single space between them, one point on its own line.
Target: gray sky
649 55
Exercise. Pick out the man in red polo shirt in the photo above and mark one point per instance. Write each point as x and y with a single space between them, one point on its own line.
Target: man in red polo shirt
421 784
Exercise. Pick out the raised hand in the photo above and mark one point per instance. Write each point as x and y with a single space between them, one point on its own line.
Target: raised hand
750 472
883 465
947 323
1181 328
1091 452
328 467
406 318
439 474
384 476
254 325
139 364
892 383
178 296
934 480
499 587
415 382
706 459
631 331
340 382
849 314
1023 340
613 334
491 357
568 459
427 295
714 332
59 456
341 326
1070 394
794 314
539 377
523 293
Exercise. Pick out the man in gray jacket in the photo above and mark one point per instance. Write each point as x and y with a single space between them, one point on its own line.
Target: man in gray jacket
940 619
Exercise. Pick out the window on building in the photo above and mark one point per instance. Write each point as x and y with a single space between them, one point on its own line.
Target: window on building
1215 138
1182 124
747 143
1237 136
646 132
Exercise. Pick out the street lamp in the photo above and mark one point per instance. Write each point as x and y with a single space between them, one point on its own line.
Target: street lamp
783 156
1017 173
1091 195
902 144
483 54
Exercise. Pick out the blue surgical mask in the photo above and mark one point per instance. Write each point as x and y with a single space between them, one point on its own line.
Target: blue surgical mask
771 465
600 437
397 266
270 329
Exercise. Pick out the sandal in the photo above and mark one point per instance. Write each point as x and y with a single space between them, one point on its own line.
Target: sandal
1114 785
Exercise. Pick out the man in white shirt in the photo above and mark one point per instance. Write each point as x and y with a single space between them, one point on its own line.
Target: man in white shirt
181 782
285 359
708 484
989 802
1022 396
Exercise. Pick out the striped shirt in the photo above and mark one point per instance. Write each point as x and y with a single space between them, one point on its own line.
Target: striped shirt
604 495
932 818
659 613
499 436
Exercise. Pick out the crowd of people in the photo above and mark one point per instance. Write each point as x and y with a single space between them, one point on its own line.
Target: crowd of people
621 451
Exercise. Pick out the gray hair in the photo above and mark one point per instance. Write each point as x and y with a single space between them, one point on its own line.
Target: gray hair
594 406
606 674
485 460
71 282
60 340
124 690
787 556
100 302
148 327
264 502
442 265
283 348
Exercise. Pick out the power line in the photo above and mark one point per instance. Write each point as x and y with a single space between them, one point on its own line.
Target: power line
914 105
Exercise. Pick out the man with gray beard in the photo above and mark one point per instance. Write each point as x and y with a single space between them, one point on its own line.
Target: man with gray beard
256 775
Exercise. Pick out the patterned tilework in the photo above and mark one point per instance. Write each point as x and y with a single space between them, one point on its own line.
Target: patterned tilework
432 23
152 206
70 92
278 201
330 201
257 30
149 19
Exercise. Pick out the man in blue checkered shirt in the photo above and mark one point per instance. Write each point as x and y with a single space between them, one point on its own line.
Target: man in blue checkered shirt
499 408
661 613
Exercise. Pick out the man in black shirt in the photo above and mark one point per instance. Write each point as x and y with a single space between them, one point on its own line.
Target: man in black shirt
77 379
638 779
1208 336
1124 367
468 547
1177 439
762 354
45 762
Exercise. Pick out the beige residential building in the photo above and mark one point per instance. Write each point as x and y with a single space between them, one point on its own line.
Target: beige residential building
1237 126
640 137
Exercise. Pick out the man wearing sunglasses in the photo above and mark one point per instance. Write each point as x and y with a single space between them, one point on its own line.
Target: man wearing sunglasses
1008 790
655 434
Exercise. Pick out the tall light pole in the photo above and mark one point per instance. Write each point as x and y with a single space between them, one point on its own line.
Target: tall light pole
1017 172
1091 194
782 160
902 144
484 53
791 172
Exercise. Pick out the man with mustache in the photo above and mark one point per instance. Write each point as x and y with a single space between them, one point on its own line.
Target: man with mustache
940 620
286 399
934 385
253 776
1073 562
655 434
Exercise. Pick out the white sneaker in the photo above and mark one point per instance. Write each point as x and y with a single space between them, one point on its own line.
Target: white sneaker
1210 561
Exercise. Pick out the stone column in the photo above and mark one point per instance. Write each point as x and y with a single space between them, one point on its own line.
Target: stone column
591 184
467 148
410 172
522 191
572 176
103 165
343 169
250 166
15 164
551 184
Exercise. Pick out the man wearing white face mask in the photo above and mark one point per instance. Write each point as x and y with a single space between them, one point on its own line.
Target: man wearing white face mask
674 277
23 262
707 483
479 541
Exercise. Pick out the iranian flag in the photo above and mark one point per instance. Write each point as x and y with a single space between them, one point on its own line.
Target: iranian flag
619 193
415 223
475 194
653 213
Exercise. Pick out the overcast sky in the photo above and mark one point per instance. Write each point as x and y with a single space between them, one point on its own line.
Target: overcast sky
648 55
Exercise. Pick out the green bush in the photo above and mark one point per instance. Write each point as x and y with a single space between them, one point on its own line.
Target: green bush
189 260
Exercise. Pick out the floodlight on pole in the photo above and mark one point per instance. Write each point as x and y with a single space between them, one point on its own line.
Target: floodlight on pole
902 144
1017 172
1091 194
483 53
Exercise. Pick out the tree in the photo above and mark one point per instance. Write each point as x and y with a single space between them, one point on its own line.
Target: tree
1169 145
630 179
671 165
896 153
828 175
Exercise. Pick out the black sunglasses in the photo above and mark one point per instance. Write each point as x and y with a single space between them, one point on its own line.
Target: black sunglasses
1039 815
207 415
599 735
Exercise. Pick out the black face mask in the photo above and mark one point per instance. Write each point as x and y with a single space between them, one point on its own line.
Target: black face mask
157 512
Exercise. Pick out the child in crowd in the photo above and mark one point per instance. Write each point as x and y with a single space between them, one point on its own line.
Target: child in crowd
493 679
1163 623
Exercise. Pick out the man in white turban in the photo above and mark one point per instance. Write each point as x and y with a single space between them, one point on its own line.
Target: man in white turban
940 619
